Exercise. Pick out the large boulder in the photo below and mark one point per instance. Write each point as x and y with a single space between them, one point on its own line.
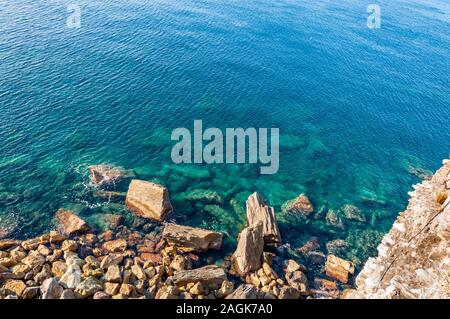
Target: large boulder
259 210
68 223
104 174
248 254
148 200
209 276
191 239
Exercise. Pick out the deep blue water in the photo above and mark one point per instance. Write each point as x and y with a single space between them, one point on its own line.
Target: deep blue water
356 107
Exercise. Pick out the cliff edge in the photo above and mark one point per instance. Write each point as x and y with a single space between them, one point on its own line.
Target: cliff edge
414 257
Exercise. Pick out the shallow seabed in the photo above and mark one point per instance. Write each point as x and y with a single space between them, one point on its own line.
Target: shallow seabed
361 112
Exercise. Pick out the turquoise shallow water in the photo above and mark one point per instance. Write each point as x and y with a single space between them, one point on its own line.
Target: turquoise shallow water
356 108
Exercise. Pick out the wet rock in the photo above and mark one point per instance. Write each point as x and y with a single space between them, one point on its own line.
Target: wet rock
339 268
310 245
353 213
102 175
208 275
337 247
258 210
51 289
248 254
204 196
190 239
148 200
334 220
68 223
300 205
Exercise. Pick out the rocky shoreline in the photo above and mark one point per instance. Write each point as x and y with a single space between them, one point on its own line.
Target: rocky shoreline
171 262
165 260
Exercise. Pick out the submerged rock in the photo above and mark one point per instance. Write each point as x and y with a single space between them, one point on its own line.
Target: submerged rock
300 205
104 174
248 254
68 223
259 211
353 213
191 239
148 200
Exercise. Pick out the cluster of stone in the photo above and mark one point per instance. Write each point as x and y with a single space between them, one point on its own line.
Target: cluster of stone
74 262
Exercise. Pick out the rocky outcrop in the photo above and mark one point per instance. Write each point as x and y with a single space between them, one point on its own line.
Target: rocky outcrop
248 254
148 200
414 257
259 211
69 223
191 239
102 175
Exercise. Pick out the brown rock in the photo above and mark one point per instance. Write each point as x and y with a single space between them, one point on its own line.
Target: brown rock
259 210
248 254
148 200
114 246
156 259
300 205
15 286
110 260
190 239
113 274
338 268
208 275
8 243
68 223
59 268
112 288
